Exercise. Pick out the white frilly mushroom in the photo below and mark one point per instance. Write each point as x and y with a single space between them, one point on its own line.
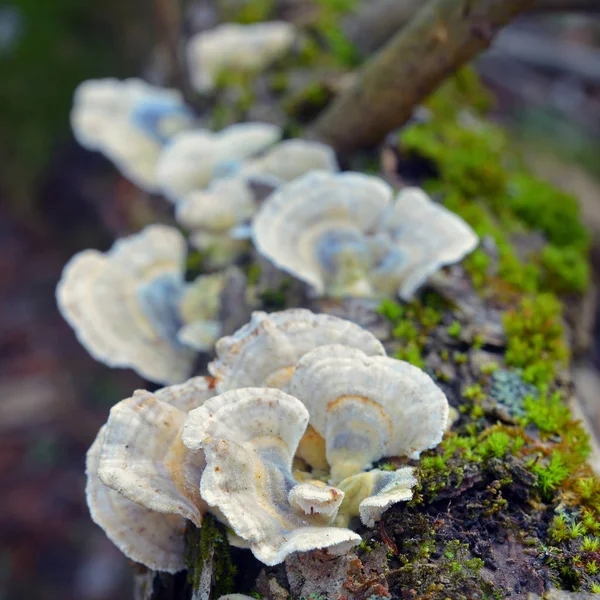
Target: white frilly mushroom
265 351
142 482
235 47
316 498
128 121
122 304
368 407
194 158
344 235
249 437
315 229
423 236
370 494
289 160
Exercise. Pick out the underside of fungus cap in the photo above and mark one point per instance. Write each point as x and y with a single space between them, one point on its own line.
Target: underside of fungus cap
249 437
314 228
368 407
123 304
264 352
424 236
143 457
236 47
143 535
291 159
370 494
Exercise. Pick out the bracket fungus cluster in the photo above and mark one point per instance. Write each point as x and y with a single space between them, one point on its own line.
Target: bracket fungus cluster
238 48
130 306
346 235
129 122
209 175
234 449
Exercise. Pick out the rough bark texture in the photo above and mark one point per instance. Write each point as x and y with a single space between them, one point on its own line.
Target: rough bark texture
441 38
377 21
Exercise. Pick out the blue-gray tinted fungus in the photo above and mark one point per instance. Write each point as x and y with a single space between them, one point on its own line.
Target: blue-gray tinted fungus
193 159
129 122
264 352
344 235
315 228
368 407
122 303
249 437
423 236
235 47
142 482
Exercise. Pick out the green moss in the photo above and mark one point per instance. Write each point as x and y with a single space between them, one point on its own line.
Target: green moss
547 412
565 269
198 545
328 27
489 187
535 339
248 12
454 329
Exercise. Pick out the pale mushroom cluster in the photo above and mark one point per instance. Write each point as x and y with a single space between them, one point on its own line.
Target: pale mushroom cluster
347 234
238 48
281 443
129 122
209 177
130 307
279 446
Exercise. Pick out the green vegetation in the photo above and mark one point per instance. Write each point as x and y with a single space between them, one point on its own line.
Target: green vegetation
489 187
198 544
535 339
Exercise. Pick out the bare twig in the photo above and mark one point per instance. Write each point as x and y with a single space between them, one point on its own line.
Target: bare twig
169 20
377 21
443 36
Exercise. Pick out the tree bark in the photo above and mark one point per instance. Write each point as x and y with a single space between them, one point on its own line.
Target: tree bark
377 21
442 37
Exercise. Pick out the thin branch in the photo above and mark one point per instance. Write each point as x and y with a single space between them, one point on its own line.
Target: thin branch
443 36
376 21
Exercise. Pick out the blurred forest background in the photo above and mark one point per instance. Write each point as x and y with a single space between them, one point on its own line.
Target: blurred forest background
57 199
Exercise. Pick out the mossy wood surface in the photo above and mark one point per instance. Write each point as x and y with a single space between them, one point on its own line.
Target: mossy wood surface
506 505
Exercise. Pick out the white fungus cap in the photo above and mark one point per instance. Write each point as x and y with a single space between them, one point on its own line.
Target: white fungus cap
122 304
128 121
249 437
368 407
194 158
142 482
289 160
370 494
235 47
264 352
315 229
423 236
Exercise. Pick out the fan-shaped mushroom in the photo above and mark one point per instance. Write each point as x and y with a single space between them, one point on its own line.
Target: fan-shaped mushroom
249 437
128 121
368 407
142 482
235 47
264 352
